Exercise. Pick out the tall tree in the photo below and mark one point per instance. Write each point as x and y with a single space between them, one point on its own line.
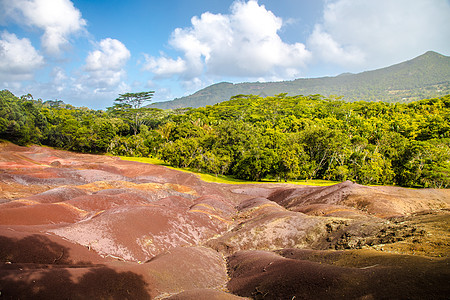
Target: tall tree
131 105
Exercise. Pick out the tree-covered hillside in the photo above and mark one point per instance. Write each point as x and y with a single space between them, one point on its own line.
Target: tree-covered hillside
254 138
423 77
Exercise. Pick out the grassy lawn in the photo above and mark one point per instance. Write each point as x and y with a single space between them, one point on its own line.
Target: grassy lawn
226 179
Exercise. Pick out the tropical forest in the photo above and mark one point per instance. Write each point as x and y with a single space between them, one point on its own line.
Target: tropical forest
275 138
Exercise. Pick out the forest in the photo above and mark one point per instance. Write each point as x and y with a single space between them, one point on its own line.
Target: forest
255 138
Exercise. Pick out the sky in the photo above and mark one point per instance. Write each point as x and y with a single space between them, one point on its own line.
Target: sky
87 52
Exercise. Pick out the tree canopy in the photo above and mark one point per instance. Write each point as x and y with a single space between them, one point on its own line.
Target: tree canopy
134 100
129 105
256 138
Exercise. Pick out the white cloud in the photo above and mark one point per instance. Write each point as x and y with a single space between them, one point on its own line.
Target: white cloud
60 79
377 33
105 65
95 85
244 43
58 19
18 58
59 75
325 47
194 84
164 66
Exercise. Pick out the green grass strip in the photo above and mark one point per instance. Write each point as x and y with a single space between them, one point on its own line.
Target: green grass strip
223 178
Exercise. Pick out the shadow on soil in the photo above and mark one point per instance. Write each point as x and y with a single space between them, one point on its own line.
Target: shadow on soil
37 268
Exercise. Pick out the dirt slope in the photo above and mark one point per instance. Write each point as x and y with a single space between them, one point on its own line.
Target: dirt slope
83 226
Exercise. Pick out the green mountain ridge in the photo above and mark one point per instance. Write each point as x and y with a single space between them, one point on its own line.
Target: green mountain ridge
425 76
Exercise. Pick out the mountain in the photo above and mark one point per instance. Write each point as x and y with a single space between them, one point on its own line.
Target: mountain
425 76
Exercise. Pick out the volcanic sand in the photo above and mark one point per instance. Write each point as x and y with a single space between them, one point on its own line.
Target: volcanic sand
84 226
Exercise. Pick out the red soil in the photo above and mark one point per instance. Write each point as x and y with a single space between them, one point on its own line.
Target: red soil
39 214
85 226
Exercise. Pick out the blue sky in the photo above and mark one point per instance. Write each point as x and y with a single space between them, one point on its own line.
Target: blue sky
87 52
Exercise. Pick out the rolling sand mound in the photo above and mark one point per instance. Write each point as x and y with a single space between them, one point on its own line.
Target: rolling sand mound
36 248
38 214
381 201
83 226
137 233
259 275
58 194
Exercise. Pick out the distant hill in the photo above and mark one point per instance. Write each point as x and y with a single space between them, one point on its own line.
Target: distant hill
425 76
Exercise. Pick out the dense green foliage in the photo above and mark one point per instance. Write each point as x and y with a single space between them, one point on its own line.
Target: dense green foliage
423 77
254 138
129 106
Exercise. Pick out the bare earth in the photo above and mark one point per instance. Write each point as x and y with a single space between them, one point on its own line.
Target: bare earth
80 226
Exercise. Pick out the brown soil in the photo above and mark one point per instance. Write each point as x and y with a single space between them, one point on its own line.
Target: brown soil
362 275
83 226
205 294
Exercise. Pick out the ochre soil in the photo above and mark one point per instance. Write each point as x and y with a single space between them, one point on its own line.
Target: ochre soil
81 226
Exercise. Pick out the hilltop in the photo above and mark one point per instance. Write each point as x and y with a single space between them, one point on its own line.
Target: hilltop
425 76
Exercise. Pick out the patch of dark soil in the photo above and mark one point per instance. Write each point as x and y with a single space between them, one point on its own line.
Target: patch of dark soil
265 275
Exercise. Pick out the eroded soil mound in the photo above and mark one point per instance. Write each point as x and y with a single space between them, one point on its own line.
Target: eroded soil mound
83 226
331 275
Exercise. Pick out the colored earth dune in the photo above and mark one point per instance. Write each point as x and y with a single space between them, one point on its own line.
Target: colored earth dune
81 226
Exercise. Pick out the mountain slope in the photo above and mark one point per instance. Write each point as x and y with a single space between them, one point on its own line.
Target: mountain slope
425 76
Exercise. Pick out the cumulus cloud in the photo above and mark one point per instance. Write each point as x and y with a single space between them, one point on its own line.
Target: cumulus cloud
244 43
165 66
105 66
18 58
329 50
376 33
58 19
60 79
